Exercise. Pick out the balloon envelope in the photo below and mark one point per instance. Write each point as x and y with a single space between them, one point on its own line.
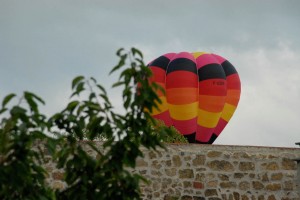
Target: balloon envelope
202 91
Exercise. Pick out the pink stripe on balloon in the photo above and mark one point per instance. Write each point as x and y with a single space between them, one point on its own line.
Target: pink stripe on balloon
169 55
205 59
184 55
203 134
220 126
165 117
185 127
220 59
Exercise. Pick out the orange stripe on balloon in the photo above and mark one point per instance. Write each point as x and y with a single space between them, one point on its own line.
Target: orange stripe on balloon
233 97
178 96
162 90
211 103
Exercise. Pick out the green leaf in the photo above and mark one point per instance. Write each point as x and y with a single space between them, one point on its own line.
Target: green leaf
76 80
136 51
7 99
3 110
32 104
120 64
36 97
72 105
119 51
117 84
102 89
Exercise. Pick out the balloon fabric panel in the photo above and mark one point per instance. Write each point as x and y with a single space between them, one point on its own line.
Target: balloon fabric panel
182 83
202 93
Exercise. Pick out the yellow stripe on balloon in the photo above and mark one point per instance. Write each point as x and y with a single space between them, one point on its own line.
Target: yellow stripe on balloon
197 54
228 111
183 112
208 119
162 107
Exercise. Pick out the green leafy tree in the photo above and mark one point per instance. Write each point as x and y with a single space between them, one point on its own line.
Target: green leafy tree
21 173
88 116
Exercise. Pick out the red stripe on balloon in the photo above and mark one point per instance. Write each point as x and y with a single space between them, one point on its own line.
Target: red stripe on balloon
180 79
221 125
158 74
214 87
185 127
165 117
203 134
233 82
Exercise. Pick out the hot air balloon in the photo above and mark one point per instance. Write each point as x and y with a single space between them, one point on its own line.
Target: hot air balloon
202 91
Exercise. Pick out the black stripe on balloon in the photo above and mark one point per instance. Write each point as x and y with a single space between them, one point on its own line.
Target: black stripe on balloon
212 138
211 71
182 64
228 68
191 137
161 62
210 141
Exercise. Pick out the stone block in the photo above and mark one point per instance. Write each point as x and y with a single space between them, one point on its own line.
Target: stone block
288 164
141 162
271 166
271 197
198 185
220 165
223 177
247 166
186 173
214 154
211 192
273 187
170 197
199 160
257 185
288 185
171 172
176 161
277 176
228 184
212 184
245 197
238 175
244 185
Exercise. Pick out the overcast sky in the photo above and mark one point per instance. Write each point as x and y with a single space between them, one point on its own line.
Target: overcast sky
45 44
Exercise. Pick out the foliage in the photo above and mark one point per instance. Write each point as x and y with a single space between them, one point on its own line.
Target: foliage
173 136
20 163
89 115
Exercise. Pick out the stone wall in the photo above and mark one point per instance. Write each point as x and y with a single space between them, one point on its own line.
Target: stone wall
196 172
